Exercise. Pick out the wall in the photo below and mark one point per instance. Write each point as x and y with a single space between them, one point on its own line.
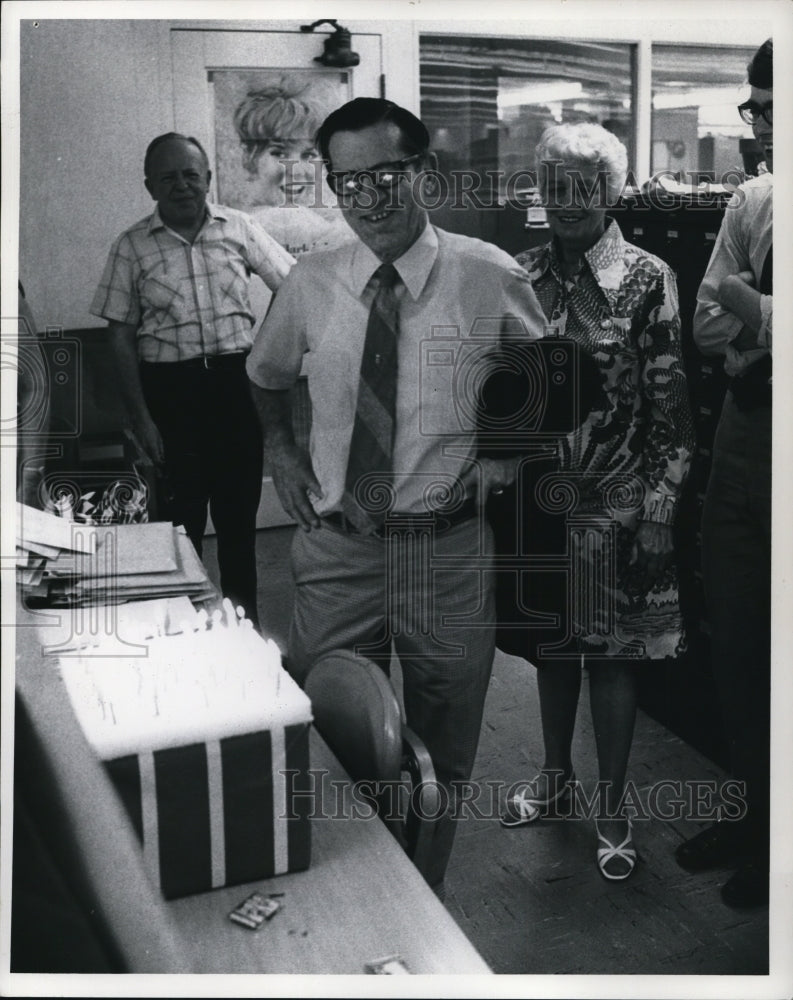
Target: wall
93 93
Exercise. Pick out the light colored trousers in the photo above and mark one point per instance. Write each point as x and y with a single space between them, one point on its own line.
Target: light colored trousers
429 596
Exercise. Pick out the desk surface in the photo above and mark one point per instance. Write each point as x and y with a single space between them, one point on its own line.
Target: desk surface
360 900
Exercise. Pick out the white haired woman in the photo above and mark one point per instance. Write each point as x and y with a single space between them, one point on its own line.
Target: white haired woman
611 489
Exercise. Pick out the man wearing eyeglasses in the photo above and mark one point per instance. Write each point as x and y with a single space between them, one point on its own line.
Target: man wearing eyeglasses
733 320
390 468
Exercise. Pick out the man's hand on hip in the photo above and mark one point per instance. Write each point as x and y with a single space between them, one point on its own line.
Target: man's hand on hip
294 480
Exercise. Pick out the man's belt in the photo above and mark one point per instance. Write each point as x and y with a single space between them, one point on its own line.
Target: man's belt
442 521
209 362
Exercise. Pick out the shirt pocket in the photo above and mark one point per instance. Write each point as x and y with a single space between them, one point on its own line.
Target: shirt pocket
162 293
227 272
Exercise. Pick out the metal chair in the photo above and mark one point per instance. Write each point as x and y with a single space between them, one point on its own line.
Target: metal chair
357 714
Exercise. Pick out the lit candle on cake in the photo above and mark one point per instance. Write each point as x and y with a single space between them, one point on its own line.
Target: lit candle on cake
217 677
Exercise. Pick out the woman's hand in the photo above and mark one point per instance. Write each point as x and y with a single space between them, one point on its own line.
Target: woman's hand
652 550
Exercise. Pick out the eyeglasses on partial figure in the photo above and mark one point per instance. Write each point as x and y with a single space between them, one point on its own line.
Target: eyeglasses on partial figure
751 112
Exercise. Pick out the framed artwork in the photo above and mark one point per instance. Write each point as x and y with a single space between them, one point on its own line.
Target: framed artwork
266 161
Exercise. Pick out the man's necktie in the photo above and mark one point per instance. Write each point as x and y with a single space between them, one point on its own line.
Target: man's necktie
368 482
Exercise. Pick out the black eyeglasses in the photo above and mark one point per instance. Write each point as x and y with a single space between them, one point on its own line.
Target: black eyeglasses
347 183
752 113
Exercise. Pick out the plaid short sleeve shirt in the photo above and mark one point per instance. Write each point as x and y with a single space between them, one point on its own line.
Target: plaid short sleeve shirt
189 300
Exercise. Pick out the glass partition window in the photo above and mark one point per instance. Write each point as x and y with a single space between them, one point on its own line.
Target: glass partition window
486 102
697 133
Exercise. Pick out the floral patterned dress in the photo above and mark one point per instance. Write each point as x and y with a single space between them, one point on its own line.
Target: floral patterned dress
627 461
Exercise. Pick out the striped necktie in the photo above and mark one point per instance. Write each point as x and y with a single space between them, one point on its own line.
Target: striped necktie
367 489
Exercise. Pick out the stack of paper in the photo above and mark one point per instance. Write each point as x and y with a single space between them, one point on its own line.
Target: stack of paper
41 538
64 563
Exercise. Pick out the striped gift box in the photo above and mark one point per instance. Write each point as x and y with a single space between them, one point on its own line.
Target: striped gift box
205 737
221 812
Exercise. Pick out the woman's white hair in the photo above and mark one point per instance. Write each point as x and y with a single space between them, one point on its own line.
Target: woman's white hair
586 142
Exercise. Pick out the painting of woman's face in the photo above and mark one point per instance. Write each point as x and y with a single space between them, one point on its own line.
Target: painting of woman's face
287 172
264 124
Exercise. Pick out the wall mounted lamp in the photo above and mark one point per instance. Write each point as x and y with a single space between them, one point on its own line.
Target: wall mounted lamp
338 46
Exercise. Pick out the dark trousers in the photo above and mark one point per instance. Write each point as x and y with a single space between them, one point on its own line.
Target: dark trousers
213 456
736 537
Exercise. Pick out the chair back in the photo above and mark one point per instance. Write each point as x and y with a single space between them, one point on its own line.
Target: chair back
358 715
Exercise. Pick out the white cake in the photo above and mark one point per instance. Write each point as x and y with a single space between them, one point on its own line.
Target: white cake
217 677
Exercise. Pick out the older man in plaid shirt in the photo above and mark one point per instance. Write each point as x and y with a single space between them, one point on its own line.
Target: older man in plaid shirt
175 294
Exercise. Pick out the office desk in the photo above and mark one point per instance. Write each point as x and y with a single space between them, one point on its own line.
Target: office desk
360 900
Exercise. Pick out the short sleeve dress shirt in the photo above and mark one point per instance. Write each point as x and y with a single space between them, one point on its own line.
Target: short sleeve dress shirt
456 291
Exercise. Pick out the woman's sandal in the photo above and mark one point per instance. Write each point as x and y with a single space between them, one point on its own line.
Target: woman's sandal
625 852
524 808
